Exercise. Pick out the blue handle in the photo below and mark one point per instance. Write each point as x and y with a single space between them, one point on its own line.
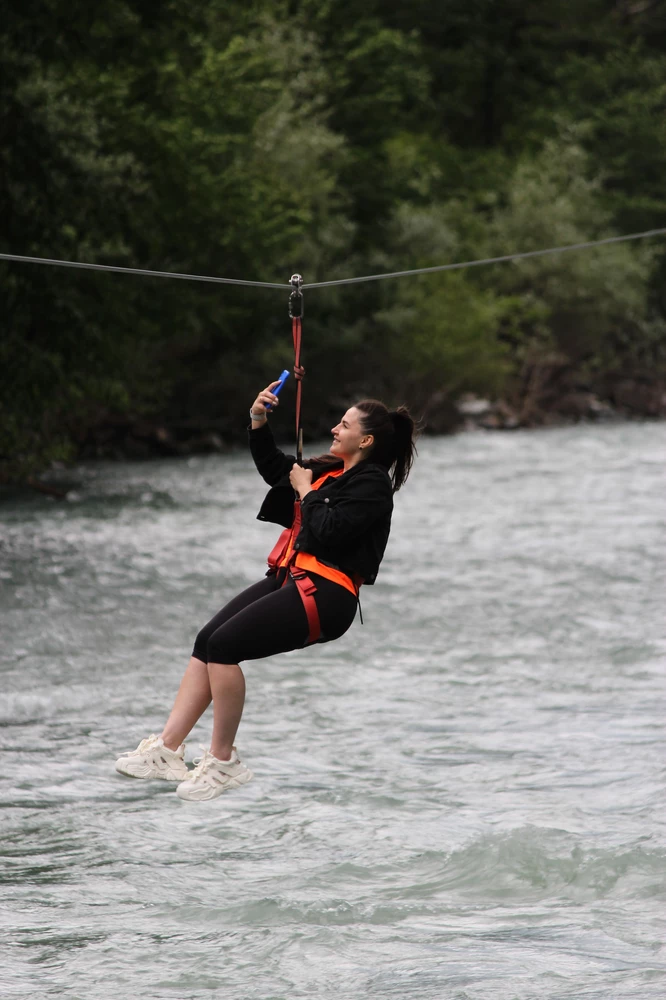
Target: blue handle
278 388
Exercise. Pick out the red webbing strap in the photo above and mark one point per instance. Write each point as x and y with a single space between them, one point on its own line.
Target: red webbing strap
307 590
279 550
306 587
276 554
299 372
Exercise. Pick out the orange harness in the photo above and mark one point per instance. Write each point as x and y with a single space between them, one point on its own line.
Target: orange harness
283 557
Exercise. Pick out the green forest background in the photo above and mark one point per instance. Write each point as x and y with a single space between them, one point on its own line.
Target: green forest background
336 138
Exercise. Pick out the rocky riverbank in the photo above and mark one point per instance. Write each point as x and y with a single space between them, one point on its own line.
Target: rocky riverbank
121 438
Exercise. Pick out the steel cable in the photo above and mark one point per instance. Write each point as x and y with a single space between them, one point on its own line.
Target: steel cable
144 272
486 260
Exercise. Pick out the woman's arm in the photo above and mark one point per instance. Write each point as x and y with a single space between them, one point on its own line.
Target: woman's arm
272 464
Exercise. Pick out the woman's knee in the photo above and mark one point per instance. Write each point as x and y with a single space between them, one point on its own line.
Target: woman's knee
208 649
200 650
219 649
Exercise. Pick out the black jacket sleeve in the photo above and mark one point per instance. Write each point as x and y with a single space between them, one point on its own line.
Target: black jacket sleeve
272 464
367 498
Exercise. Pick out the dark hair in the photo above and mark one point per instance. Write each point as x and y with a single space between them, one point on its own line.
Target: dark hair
394 432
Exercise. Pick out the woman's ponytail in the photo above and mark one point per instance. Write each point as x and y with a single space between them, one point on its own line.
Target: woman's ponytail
394 432
405 450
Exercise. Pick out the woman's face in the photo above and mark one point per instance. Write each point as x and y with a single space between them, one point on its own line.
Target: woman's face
349 438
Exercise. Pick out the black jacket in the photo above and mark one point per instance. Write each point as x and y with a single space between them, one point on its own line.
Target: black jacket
345 522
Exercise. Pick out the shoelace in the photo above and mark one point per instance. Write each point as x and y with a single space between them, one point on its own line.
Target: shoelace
201 764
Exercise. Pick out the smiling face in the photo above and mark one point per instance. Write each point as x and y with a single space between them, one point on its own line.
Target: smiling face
350 442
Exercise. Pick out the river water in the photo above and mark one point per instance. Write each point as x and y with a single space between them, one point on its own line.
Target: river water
462 799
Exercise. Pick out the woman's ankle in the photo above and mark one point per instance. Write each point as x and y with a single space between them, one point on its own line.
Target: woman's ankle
169 742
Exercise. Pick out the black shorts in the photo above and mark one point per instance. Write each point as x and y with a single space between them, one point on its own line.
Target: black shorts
268 618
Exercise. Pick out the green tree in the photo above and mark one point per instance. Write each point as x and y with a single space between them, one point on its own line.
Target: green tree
208 158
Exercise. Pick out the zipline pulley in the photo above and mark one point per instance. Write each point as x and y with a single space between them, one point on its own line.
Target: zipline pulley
296 297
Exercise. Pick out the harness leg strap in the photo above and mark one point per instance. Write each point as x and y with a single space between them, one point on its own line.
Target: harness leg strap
307 590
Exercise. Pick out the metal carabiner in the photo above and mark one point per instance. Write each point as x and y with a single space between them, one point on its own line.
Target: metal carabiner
296 297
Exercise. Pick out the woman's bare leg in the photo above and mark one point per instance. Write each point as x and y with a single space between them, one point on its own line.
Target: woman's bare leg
227 684
193 698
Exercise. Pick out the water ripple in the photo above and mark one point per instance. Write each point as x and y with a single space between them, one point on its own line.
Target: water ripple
462 799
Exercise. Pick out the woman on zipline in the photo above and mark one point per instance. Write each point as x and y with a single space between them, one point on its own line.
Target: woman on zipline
334 540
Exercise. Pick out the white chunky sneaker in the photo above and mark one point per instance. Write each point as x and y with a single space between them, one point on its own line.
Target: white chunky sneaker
211 777
152 759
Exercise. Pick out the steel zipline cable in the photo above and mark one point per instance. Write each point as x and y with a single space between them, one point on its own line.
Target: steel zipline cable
297 286
488 260
338 281
142 271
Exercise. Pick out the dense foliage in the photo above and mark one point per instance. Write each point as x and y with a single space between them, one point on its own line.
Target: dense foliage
334 138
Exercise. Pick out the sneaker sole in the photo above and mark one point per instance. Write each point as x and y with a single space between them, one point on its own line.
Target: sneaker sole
150 774
207 796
